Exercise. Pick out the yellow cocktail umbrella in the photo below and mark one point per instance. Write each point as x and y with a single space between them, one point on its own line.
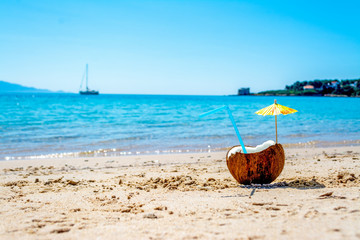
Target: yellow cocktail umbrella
275 109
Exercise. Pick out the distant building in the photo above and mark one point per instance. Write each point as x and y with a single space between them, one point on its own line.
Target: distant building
244 91
355 84
335 83
308 87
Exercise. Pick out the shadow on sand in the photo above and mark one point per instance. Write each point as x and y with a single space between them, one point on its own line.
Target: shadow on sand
302 184
298 184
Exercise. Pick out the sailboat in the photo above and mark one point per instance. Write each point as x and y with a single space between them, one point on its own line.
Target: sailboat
87 91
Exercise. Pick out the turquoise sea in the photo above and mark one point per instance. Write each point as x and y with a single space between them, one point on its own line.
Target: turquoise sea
55 125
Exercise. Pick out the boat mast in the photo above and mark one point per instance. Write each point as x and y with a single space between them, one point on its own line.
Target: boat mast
87 77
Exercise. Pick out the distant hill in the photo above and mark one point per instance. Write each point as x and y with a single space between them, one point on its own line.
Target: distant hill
6 87
327 87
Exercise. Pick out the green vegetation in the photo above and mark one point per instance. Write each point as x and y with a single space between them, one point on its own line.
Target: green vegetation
349 88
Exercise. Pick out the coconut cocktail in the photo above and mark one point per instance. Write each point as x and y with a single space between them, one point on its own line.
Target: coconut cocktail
261 164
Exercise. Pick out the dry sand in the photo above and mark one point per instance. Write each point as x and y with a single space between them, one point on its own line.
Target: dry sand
182 196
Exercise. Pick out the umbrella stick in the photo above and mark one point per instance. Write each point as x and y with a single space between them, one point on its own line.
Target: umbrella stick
276 127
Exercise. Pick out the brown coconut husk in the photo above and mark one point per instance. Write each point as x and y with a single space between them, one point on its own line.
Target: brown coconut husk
261 168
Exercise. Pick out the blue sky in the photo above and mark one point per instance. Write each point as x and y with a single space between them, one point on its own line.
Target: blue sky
177 47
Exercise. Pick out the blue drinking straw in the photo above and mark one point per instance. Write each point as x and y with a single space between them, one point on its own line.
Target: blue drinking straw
232 121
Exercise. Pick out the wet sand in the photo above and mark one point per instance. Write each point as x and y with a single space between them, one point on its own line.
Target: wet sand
180 196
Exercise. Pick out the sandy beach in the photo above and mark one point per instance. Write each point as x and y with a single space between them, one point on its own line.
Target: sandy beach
181 196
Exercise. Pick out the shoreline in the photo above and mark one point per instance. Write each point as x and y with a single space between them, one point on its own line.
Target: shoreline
100 162
116 153
181 196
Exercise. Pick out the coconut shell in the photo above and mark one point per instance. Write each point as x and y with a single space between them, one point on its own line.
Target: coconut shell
261 167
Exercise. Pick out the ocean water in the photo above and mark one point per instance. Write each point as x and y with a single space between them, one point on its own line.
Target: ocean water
49 125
